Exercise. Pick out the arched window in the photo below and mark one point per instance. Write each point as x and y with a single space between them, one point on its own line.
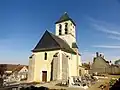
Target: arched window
60 29
66 28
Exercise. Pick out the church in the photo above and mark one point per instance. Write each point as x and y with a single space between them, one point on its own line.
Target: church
56 56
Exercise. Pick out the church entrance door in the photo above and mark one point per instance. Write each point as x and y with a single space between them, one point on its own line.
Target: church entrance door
44 76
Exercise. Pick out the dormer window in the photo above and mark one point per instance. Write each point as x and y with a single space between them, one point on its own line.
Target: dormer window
60 29
66 28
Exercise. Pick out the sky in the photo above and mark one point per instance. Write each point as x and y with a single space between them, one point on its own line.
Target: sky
23 22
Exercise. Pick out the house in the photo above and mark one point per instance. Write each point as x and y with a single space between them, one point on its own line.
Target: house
19 73
56 56
100 65
15 72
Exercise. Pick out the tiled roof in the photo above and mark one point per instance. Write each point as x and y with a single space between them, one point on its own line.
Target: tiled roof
12 67
18 68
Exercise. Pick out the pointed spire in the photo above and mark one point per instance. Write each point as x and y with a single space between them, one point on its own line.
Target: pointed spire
65 17
65 12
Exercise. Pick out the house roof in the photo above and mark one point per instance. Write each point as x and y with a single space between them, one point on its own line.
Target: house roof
65 17
12 67
18 68
100 58
113 65
50 41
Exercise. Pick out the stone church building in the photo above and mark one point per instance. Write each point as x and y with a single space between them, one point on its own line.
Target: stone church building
56 56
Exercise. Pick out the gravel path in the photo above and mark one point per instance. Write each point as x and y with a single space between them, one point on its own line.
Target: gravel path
98 83
52 85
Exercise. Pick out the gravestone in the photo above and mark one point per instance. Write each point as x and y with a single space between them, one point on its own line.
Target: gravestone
1 82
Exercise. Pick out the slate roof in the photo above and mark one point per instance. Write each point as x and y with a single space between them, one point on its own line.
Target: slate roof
65 17
50 41
101 58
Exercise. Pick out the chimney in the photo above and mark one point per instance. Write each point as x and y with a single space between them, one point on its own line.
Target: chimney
110 62
97 54
100 55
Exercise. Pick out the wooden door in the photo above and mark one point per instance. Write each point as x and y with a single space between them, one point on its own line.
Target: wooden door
44 76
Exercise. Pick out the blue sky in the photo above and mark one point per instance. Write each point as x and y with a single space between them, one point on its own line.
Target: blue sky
23 22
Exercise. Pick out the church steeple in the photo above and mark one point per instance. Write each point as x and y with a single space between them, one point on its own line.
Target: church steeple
65 29
65 17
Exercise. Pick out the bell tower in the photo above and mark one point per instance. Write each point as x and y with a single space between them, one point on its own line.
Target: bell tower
65 29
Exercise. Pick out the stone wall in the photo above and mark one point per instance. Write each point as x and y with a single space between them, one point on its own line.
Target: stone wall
56 67
31 69
100 65
64 67
114 70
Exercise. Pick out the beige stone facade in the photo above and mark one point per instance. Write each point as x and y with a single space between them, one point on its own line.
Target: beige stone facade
58 67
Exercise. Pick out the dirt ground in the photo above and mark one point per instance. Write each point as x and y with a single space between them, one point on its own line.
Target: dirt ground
51 85
102 81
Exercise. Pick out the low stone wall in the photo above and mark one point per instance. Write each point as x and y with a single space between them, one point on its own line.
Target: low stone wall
110 70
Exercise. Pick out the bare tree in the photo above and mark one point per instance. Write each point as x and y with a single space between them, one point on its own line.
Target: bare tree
117 61
3 68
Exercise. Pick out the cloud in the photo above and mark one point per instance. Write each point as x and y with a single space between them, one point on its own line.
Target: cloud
104 26
110 31
105 29
107 46
93 20
114 37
